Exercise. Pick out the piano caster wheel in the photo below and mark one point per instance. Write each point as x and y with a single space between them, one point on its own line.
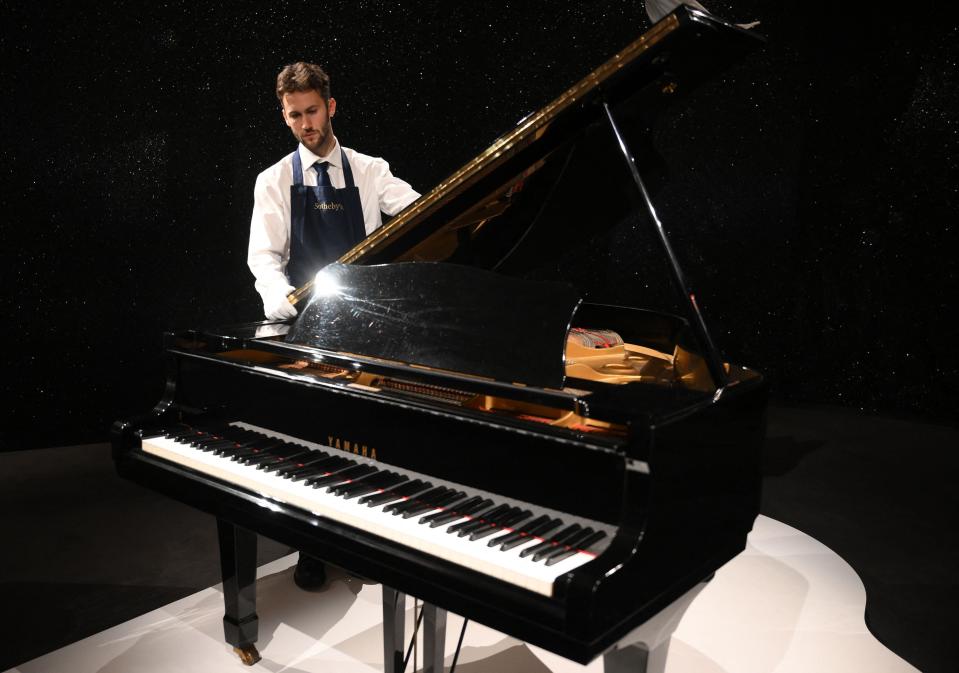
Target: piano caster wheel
248 654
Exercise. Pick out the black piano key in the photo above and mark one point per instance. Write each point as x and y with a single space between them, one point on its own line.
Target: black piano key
485 531
452 496
516 516
325 467
262 446
188 437
286 449
294 462
280 453
341 475
447 500
410 502
320 468
452 513
470 521
479 521
247 436
510 519
496 514
464 528
235 450
375 482
571 541
566 551
202 437
567 532
206 436
415 510
302 463
336 489
389 480
211 443
241 434
254 454
216 437
177 434
250 440
420 503
352 489
494 522
519 532
468 508
490 526
404 490
222 429
539 526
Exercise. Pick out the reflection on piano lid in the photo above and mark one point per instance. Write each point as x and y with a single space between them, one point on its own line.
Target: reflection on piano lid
439 352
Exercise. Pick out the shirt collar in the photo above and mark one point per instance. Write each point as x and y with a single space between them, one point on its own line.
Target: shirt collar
334 157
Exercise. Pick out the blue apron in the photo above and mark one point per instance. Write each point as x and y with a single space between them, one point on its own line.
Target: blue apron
325 222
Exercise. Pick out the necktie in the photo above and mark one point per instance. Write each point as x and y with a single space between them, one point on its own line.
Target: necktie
322 177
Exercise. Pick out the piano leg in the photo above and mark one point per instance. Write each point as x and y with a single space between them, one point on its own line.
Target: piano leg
630 659
434 638
394 621
394 640
645 649
238 570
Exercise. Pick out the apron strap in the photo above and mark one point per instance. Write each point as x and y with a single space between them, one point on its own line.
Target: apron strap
297 168
347 171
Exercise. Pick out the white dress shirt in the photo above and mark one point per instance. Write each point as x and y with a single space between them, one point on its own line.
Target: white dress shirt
269 252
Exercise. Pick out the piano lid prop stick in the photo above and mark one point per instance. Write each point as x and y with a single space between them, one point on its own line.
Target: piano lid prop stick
300 293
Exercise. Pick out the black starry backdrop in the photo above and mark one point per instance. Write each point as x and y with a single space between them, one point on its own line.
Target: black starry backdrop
811 191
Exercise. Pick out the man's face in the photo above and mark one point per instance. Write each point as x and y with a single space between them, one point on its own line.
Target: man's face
306 113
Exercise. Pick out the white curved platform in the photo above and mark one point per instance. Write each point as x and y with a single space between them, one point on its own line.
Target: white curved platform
787 603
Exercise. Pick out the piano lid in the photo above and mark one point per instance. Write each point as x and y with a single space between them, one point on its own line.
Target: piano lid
538 195
473 205
443 316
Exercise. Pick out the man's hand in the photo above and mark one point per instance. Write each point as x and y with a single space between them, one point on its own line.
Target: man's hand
277 307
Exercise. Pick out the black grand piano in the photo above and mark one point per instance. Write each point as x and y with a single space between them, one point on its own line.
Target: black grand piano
447 415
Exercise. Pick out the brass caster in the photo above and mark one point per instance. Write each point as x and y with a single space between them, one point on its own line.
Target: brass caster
247 654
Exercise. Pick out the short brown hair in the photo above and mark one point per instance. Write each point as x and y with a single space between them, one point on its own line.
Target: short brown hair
302 76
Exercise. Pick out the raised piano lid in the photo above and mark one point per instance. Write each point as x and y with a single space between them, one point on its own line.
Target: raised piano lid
489 215
673 57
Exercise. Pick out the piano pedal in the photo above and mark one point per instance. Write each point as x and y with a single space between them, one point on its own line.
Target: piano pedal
248 654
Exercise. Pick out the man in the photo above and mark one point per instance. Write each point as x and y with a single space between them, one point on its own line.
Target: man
315 204
311 207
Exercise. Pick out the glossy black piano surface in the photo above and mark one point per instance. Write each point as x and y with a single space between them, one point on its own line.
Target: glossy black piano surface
443 349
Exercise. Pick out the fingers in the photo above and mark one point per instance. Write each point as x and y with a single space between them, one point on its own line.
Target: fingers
279 307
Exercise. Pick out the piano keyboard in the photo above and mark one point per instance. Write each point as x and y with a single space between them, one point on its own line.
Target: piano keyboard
512 542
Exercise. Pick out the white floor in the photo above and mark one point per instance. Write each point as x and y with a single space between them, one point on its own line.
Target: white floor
787 603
